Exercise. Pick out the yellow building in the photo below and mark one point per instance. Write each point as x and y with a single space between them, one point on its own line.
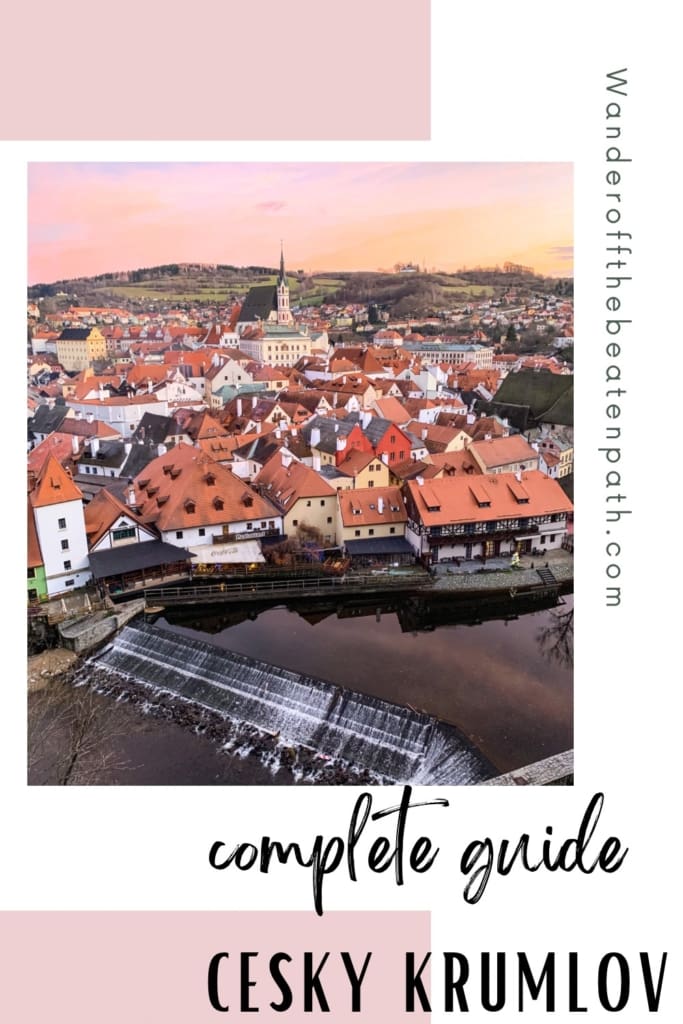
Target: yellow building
371 525
307 502
79 347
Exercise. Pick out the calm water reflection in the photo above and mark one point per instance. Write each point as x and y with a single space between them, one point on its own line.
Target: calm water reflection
506 683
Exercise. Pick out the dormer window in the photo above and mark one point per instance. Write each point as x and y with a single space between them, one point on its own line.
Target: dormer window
190 506
210 479
218 504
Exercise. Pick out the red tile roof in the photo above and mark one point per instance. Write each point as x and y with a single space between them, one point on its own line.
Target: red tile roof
464 499
53 486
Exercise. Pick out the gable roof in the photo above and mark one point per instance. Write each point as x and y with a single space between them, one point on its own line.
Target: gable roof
53 485
102 512
286 481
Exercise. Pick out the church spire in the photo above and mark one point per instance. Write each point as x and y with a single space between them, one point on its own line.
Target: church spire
284 316
282 279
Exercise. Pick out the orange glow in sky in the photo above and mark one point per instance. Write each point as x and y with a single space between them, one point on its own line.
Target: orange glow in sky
86 219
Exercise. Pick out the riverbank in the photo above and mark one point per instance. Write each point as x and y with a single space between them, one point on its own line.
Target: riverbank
497 576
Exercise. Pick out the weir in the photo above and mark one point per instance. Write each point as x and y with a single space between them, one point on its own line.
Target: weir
395 743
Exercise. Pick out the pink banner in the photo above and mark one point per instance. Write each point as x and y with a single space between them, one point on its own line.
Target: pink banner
177 967
216 70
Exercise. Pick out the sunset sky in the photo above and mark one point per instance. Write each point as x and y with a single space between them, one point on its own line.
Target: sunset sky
89 218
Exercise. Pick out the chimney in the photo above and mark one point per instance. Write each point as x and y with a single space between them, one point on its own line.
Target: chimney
130 496
315 437
487 437
518 477
259 426
94 446
161 449
341 444
471 418
420 480
316 463
128 447
254 401
89 417
102 393
286 457
278 433
425 433
385 458
239 406
79 415
380 505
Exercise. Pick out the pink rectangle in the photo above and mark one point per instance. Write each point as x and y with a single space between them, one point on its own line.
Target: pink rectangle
217 70
110 967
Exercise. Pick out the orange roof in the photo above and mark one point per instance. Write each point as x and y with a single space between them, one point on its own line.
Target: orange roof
59 445
355 461
53 486
186 488
448 463
102 512
391 409
286 484
460 499
502 450
361 507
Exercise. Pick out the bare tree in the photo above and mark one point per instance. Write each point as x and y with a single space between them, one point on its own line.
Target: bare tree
556 640
71 738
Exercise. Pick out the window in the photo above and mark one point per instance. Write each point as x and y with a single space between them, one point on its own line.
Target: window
392 457
123 533
250 526
357 533
329 519
295 522
322 501
61 523
392 529
67 565
179 534
69 583
65 545
308 504
552 538
371 532
202 531
371 483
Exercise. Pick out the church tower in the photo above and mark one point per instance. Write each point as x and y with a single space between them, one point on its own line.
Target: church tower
284 316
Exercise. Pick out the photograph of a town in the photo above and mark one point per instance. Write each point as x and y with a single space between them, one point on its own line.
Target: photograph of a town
300 474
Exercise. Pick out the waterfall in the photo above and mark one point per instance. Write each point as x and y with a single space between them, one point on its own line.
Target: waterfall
392 742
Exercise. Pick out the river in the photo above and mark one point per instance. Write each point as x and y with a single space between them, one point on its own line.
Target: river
505 682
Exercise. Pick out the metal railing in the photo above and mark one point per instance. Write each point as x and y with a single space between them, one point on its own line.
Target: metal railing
304 586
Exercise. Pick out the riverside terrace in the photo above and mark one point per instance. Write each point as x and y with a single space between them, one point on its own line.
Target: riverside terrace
551 572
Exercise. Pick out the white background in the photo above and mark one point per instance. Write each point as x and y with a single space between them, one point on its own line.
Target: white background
523 81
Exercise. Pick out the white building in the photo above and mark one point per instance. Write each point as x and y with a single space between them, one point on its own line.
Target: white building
58 512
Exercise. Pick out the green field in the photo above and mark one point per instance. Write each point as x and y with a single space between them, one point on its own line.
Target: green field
170 289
